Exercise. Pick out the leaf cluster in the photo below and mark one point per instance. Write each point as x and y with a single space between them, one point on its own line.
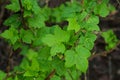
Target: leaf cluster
65 49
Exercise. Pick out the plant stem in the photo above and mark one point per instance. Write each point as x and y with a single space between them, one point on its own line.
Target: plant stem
22 18
50 75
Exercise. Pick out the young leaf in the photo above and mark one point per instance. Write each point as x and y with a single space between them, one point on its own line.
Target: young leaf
82 51
88 40
14 6
59 48
93 19
73 25
81 63
81 58
2 75
13 20
82 16
35 65
61 35
26 35
58 37
50 40
69 58
55 78
11 34
102 10
31 54
110 38
36 21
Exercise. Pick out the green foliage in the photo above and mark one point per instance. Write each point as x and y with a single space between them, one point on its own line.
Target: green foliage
110 39
11 34
78 57
14 6
2 75
64 50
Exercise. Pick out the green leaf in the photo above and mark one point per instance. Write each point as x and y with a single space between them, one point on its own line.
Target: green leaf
58 37
88 40
58 65
67 76
59 48
2 75
27 13
36 21
81 58
69 58
14 6
40 33
13 20
102 9
30 73
70 10
61 35
11 34
110 38
78 58
16 77
31 54
82 16
55 78
31 5
50 40
24 64
43 53
26 36
91 27
28 4
82 51
93 19
81 63
34 65
73 24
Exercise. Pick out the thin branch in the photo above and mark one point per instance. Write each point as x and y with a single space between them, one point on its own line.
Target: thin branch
50 75
104 53
22 12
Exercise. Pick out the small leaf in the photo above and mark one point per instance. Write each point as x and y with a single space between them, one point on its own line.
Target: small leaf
31 54
26 35
50 40
73 25
55 78
58 37
88 40
91 27
29 73
16 77
13 20
28 4
61 35
110 38
14 6
69 58
81 63
93 19
82 51
34 65
82 16
11 34
102 9
36 21
59 48
2 75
